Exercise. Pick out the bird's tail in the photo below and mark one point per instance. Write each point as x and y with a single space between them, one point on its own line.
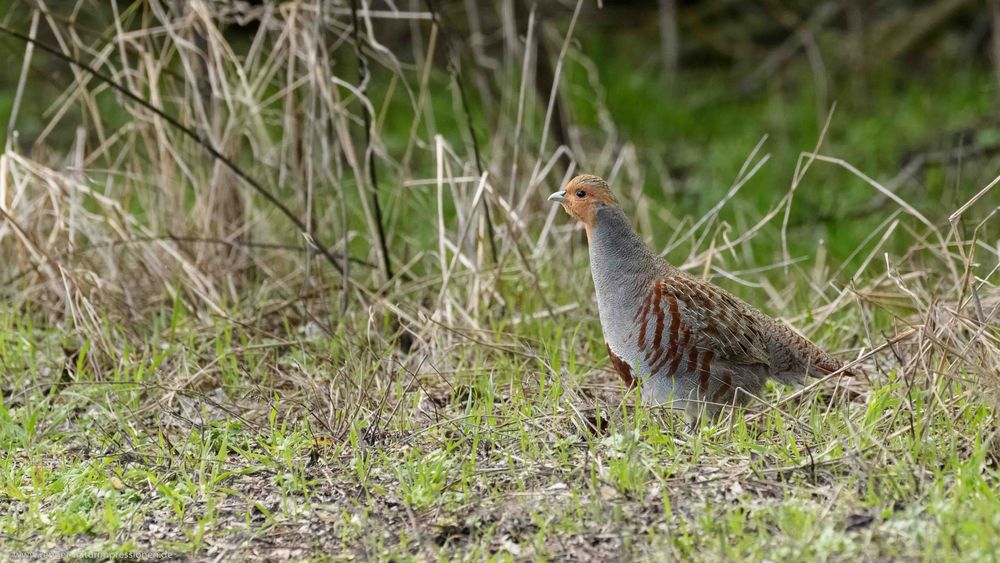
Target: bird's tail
809 359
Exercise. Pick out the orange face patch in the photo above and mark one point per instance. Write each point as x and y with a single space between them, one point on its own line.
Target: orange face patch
584 195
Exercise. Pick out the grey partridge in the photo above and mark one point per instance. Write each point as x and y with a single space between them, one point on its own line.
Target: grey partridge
684 342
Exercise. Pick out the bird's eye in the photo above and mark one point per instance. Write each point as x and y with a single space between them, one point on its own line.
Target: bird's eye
581 194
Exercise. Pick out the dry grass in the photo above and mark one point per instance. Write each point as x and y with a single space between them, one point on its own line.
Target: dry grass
185 371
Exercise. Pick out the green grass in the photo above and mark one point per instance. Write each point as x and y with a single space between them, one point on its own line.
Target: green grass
491 457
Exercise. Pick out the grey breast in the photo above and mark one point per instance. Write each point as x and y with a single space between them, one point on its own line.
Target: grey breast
623 269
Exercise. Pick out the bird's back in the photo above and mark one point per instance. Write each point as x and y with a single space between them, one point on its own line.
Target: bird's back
758 337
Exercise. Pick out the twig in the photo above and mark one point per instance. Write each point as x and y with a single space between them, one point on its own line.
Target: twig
22 80
363 78
171 238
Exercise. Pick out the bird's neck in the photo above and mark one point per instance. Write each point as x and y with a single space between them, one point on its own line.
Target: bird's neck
621 263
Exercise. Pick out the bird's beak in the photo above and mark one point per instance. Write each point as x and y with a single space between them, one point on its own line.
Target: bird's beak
558 197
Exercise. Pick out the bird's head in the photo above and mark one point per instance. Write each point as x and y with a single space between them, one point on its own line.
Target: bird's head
583 196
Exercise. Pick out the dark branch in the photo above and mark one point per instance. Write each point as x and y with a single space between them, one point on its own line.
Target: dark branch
369 151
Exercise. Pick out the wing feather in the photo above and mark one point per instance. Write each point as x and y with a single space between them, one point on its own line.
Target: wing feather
696 316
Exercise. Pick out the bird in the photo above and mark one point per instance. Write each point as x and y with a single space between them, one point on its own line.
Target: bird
682 341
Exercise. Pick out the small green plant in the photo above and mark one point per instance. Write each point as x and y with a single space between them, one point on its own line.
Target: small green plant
422 477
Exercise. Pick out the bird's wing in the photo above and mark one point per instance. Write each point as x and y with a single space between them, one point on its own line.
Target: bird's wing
682 316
